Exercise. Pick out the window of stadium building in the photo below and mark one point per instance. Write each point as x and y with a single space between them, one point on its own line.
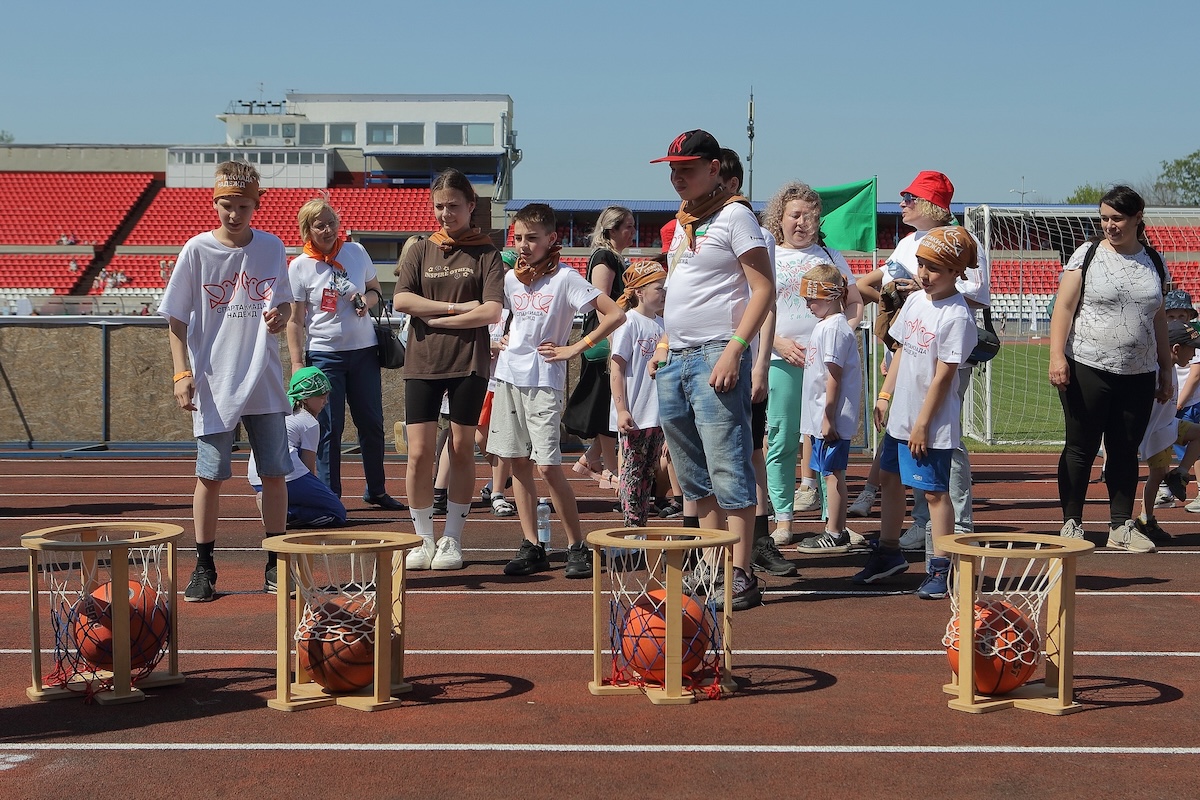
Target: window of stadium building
457 133
312 135
341 133
410 133
381 134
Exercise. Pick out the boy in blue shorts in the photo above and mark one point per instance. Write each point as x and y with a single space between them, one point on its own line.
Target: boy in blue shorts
936 331
227 299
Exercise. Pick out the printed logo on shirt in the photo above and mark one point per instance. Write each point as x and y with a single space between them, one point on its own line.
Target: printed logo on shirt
220 295
529 304
916 333
646 347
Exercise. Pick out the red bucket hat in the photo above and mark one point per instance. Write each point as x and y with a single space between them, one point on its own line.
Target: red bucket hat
932 186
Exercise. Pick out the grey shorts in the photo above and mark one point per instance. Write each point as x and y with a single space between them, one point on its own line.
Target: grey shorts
268 441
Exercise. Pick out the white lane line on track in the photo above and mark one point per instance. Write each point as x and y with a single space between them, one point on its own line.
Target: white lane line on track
542 747
739 652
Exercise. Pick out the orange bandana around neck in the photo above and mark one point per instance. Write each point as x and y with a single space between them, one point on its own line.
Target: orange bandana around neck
528 273
446 242
694 211
330 258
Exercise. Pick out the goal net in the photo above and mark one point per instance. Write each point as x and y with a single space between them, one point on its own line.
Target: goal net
1011 400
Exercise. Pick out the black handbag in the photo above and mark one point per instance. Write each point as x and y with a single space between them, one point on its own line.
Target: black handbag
988 344
390 339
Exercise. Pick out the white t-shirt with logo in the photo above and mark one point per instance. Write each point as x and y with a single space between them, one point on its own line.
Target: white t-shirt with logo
793 320
635 342
303 433
832 342
707 292
221 294
331 322
930 331
974 285
541 312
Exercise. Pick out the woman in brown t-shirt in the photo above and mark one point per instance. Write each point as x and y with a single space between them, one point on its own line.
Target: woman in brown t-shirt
452 287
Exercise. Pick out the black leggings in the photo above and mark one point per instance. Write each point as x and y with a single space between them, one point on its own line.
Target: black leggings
1095 404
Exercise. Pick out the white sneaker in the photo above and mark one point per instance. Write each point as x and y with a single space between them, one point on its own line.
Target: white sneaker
781 538
1071 530
806 498
913 538
448 555
858 542
420 556
1193 506
861 507
1164 499
1128 537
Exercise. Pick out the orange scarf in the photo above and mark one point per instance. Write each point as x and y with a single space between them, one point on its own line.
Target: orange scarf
694 211
330 258
446 242
528 273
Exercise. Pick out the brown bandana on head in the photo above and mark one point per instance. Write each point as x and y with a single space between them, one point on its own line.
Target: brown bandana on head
693 211
227 186
639 274
472 238
819 290
528 273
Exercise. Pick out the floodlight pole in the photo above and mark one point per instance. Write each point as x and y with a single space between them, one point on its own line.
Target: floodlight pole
750 156
1021 262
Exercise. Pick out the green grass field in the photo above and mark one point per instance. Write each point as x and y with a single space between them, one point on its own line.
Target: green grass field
1025 409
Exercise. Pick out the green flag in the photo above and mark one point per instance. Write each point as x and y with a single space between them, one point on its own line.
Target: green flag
848 215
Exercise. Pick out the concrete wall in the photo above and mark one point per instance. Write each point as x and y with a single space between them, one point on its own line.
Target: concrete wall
83 158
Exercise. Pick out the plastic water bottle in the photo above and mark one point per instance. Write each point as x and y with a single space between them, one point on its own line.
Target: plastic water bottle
543 520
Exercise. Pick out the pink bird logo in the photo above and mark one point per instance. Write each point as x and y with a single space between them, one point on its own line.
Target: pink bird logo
258 289
219 294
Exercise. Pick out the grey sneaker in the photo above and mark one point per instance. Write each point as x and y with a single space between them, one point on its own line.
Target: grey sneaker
1128 537
861 507
202 587
913 539
1071 529
827 542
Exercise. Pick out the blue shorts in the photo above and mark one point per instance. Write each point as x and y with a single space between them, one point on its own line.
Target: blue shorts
268 441
828 458
932 474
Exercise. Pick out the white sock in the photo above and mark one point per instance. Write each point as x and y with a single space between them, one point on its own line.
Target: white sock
422 522
456 517
809 482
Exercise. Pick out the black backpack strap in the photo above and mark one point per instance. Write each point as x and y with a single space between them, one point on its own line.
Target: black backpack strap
1087 259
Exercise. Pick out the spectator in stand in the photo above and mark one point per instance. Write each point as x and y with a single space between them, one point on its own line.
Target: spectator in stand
73 266
335 284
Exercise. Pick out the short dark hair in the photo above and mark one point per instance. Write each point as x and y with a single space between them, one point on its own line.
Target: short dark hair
537 214
453 179
731 166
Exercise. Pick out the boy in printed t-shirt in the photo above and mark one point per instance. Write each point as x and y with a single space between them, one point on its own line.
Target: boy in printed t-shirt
530 377
832 391
936 331
226 300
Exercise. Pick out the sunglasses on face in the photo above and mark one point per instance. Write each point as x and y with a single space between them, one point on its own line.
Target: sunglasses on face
908 197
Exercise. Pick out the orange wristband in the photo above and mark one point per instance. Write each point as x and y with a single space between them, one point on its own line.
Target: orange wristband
187 373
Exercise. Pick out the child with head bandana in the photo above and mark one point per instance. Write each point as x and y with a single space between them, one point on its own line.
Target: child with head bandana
227 299
311 504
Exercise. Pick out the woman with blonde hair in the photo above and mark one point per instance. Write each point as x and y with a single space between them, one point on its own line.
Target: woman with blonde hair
335 286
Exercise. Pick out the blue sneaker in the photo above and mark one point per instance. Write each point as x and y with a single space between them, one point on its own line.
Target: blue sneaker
881 564
934 585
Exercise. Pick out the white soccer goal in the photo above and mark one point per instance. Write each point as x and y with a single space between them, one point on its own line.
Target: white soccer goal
1011 400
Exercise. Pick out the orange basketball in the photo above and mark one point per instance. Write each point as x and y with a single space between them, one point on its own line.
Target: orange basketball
1007 647
91 626
644 636
337 647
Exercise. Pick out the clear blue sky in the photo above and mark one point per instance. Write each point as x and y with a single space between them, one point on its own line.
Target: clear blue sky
1061 92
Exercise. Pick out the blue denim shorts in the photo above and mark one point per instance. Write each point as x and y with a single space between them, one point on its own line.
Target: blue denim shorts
931 474
708 431
828 458
268 441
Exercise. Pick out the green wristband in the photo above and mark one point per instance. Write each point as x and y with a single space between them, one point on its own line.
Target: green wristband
742 341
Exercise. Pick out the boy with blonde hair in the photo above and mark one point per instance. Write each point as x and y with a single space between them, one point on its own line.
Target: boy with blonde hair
530 377
226 300
832 391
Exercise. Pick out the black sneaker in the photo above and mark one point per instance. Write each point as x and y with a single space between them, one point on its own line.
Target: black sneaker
670 509
1152 530
384 501
271 579
440 502
579 561
1177 482
530 558
202 587
747 593
767 558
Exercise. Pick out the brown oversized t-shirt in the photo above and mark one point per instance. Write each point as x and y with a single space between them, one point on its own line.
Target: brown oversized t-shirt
459 276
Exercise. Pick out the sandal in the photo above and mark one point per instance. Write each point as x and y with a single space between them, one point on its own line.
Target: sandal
608 480
585 469
502 507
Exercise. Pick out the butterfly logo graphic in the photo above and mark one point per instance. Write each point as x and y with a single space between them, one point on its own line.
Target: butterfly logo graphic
219 294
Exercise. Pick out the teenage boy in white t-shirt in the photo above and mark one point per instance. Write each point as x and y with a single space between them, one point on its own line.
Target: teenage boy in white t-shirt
530 376
936 331
831 393
226 300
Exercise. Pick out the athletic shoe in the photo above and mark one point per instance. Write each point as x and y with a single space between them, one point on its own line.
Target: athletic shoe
1164 498
203 585
861 507
1152 530
440 502
579 561
827 542
934 585
747 593
807 498
486 492
384 501
502 506
1071 529
913 539
858 542
696 581
1193 506
767 558
530 558
1128 537
271 579
447 555
421 556
1177 483
670 509
881 564
781 538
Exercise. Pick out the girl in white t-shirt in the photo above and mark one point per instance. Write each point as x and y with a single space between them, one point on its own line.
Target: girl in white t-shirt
634 398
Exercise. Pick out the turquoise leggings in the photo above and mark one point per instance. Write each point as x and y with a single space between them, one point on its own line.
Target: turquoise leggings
784 397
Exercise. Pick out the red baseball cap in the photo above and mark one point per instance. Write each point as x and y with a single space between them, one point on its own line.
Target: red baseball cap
692 146
932 186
